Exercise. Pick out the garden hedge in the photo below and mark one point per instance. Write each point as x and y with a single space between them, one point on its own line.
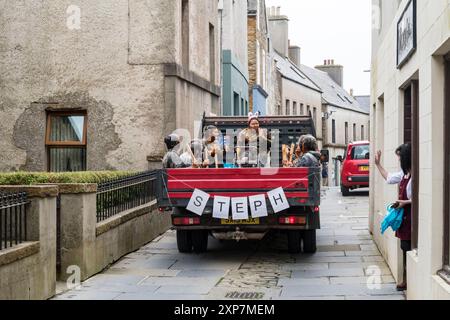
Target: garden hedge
31 178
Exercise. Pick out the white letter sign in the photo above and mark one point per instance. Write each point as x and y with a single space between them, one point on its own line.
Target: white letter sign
221 208
239 207
198 202
258 206
278 200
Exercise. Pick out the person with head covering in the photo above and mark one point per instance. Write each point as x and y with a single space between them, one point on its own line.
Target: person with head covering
172 158
310 155
253 144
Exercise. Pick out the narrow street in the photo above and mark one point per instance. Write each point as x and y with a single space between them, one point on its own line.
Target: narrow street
341 269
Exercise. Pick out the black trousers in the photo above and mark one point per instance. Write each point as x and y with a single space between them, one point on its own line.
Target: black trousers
405 245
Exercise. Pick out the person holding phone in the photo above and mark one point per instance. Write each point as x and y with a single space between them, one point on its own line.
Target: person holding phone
404 180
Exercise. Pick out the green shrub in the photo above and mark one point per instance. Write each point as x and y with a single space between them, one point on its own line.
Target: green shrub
31 178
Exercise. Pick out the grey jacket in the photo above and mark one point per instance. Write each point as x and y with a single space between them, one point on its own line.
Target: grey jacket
309 160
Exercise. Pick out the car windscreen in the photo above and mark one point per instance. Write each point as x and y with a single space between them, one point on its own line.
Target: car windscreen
361 152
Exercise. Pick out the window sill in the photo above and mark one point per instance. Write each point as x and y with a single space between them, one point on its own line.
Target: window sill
445 274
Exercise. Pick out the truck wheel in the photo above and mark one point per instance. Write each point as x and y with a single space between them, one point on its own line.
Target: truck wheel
200 241
184 241
309 241
294 241
345 191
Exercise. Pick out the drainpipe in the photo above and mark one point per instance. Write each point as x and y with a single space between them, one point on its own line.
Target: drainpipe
220 7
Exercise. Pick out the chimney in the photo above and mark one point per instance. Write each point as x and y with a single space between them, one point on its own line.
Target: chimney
351 92
279 31
295 55
336 72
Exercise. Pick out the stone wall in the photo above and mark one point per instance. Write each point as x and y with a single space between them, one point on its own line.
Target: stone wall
113 67
28 270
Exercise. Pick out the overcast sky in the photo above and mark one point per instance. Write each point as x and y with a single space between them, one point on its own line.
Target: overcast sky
332 29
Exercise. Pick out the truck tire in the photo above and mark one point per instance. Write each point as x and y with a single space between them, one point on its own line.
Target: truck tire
200 240
345 191
184 241
294 242
309 241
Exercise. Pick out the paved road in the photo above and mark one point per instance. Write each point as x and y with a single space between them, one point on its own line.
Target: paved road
346 261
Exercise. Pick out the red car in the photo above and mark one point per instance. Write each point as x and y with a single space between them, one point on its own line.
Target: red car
355 167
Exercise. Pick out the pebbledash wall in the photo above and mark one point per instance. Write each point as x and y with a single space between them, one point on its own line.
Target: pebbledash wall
426 66
128 63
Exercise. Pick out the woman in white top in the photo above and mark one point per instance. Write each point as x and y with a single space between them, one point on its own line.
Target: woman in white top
404 180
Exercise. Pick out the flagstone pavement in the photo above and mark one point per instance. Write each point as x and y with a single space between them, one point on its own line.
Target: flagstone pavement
347 266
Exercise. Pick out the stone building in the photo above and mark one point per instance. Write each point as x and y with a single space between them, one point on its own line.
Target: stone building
97 85
343 118
235 95
295 93
410 101
259 54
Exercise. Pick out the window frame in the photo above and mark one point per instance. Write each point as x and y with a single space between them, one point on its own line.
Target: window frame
333 131
445 272
64 144
50 143
346 134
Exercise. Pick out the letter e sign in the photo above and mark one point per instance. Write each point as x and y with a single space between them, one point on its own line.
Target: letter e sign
239 208
198 202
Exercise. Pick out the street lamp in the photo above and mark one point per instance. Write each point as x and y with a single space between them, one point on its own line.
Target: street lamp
327 115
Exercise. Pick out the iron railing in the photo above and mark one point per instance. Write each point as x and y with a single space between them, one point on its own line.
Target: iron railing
116 196
13 219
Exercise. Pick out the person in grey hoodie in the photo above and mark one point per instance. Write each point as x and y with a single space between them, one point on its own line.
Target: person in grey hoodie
310 158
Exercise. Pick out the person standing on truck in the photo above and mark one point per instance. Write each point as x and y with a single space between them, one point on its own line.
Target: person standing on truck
249 151
310 158
404 180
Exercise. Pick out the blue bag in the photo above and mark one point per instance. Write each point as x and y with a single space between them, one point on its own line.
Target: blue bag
393 219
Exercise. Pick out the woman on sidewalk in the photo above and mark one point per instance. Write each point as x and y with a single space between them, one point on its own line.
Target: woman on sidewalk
404 179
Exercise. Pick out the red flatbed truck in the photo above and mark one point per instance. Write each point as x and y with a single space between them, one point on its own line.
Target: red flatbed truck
301 187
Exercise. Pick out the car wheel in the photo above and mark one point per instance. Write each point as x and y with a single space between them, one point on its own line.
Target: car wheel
345 191
294 241
309 241
184 241
200 241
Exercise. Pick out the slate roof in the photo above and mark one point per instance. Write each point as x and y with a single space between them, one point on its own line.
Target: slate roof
364 102
333 94
290 71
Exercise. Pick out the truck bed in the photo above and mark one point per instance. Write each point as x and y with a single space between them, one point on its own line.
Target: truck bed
301 185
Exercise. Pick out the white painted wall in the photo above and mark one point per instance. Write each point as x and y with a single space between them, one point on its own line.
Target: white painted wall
433 36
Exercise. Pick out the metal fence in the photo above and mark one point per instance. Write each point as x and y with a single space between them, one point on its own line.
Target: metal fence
13 219
116 196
